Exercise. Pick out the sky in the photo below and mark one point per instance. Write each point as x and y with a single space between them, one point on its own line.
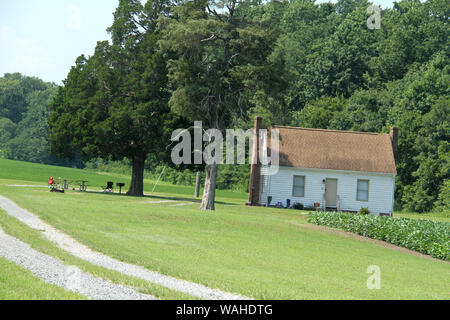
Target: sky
43 38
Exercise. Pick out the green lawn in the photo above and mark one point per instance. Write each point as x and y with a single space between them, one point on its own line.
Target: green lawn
264 253
437 216
16 283
25 172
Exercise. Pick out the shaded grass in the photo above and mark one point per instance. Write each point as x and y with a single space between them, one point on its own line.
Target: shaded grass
17 283
259 252
38 242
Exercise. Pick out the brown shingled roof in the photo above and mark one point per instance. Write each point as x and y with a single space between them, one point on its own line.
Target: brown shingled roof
338 150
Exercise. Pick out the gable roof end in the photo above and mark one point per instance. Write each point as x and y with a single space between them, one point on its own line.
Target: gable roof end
336 150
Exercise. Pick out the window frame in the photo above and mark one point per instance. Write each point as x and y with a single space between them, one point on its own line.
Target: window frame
293 185
358 190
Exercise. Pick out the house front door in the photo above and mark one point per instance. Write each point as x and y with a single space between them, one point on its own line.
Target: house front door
331 192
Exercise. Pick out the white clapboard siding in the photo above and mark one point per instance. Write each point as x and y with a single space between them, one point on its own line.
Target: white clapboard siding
279 186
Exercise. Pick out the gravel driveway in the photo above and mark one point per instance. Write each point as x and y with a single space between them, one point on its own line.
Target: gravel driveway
81 251
55 272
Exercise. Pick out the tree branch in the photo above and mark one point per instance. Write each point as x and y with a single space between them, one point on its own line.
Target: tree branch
214 12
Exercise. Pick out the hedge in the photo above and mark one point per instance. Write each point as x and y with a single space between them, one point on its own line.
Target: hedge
425 236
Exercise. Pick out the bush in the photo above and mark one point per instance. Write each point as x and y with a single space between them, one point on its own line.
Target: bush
425 236
364 211
298 206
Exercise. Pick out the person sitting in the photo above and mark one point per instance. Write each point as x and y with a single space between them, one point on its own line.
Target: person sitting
53 185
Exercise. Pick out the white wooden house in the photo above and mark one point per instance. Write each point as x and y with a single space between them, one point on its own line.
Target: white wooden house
336 170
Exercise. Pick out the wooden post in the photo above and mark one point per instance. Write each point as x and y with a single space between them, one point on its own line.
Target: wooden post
197 184
255 168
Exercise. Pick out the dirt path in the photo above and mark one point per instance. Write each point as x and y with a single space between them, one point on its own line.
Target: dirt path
81 251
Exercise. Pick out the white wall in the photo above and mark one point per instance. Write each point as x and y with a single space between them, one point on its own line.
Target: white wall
381 188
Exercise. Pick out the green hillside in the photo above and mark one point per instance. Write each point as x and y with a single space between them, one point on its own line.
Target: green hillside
40 173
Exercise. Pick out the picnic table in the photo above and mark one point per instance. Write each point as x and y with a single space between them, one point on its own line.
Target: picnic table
81 183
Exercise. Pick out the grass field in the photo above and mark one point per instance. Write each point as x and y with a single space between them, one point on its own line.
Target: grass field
264 253
436 216
37 173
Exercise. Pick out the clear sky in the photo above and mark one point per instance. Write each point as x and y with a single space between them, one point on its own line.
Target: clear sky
44 37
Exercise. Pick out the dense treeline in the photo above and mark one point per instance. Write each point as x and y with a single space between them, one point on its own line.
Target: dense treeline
24 111
293 62
343 75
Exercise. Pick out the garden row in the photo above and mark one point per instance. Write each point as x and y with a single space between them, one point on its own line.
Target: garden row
425 236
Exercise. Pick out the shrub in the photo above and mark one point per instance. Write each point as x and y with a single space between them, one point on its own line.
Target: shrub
425 236
298 206
364 211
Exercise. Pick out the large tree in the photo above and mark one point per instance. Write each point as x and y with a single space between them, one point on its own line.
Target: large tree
114 104
221 49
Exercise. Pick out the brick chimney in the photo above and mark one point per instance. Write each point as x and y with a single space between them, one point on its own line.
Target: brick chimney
255 168
393 133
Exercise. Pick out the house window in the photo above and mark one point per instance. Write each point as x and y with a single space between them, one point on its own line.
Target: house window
298 188
362 191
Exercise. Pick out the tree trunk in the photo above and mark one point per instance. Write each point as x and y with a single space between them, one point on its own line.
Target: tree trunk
209 193
137 177
197 184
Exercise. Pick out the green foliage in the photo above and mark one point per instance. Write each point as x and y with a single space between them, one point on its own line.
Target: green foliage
12 99
425 236
443 203
364 211
7 132
319 113
220 64
24 104
411 33
344 76
420 108
31 141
